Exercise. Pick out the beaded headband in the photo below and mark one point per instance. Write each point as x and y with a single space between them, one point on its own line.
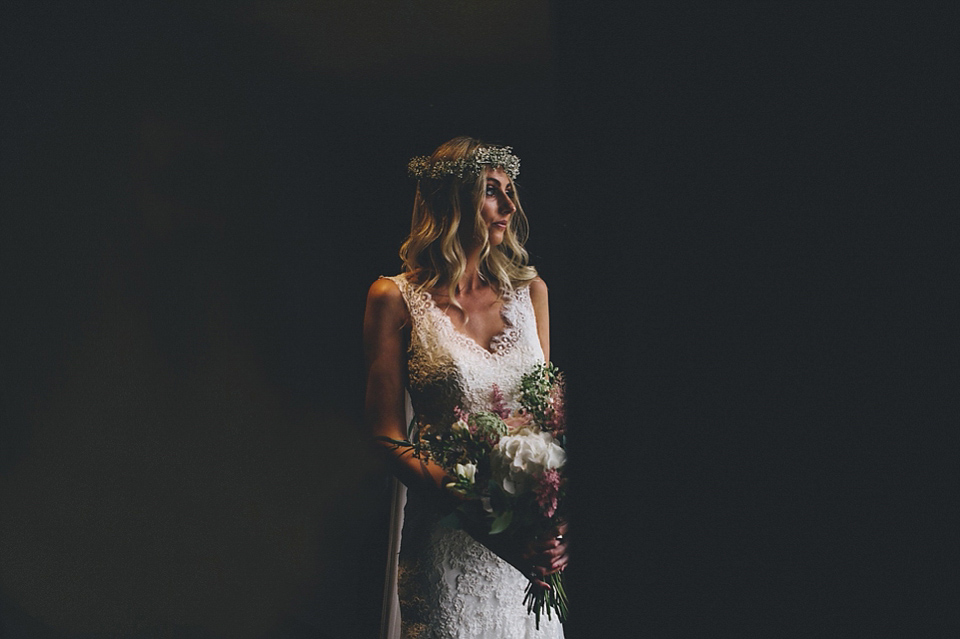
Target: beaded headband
485 156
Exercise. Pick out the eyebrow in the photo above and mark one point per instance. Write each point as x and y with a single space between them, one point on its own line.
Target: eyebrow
497 182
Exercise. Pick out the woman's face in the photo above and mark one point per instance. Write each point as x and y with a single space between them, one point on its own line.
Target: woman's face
497 206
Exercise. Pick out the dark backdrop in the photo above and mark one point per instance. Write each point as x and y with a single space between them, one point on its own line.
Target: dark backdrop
739 210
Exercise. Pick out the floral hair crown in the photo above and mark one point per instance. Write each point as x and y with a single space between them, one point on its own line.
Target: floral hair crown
489 156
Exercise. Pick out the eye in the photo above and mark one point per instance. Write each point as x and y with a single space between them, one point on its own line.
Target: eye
491 190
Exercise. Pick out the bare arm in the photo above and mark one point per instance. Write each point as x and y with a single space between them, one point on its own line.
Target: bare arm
384 337
538 295
384 341
550 554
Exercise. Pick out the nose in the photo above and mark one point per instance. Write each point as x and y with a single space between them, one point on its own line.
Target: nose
507 207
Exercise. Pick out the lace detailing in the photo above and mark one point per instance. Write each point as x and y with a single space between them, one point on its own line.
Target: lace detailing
451 586
448 368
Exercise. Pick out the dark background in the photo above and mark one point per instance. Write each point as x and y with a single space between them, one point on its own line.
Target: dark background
740 212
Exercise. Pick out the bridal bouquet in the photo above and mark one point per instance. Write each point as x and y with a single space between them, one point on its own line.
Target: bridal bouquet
508 467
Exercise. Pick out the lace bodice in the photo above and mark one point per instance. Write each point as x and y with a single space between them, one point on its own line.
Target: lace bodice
448 368
450 586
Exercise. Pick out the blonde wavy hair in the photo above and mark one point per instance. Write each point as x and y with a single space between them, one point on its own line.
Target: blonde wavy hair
433 254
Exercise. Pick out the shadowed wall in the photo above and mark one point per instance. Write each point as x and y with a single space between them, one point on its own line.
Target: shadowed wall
195 203
737 209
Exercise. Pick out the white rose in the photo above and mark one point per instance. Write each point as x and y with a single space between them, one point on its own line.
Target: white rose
467 471
517 458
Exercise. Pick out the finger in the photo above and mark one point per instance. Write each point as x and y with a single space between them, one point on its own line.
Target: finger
545 558
552 553
560 563
550 543
556 536
537 576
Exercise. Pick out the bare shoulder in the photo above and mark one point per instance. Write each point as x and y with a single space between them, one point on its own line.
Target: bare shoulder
385 300
538 290
541 310
384 289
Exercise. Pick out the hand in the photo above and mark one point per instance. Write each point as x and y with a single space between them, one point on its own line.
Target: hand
547 555
535 558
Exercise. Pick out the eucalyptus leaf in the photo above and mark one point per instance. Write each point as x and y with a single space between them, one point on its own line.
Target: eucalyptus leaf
502 522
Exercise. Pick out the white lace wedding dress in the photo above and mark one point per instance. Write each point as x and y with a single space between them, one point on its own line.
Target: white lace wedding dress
448 585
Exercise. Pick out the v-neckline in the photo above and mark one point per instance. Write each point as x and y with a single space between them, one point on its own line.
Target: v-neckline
495 340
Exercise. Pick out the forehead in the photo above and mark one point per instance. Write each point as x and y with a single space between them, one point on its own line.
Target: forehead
498 175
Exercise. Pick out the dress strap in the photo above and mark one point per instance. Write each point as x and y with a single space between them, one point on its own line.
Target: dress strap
417 301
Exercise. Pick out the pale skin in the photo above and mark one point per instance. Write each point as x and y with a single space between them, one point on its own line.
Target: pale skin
386 328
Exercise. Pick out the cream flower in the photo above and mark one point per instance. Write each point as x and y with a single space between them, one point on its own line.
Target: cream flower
467 471
518 458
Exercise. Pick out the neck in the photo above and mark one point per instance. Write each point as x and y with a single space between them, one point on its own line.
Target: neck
470 280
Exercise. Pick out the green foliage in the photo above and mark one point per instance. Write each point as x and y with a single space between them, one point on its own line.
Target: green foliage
501 522
489 423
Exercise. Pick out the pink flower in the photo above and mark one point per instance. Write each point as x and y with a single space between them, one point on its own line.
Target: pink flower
547 491
516 423
497 405
557 410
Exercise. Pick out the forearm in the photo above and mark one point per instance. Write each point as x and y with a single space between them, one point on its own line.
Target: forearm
424 476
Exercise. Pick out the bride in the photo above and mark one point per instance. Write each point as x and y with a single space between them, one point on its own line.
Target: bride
466 314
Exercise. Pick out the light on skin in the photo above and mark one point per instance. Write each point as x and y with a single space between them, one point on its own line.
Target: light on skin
385 340
497 206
